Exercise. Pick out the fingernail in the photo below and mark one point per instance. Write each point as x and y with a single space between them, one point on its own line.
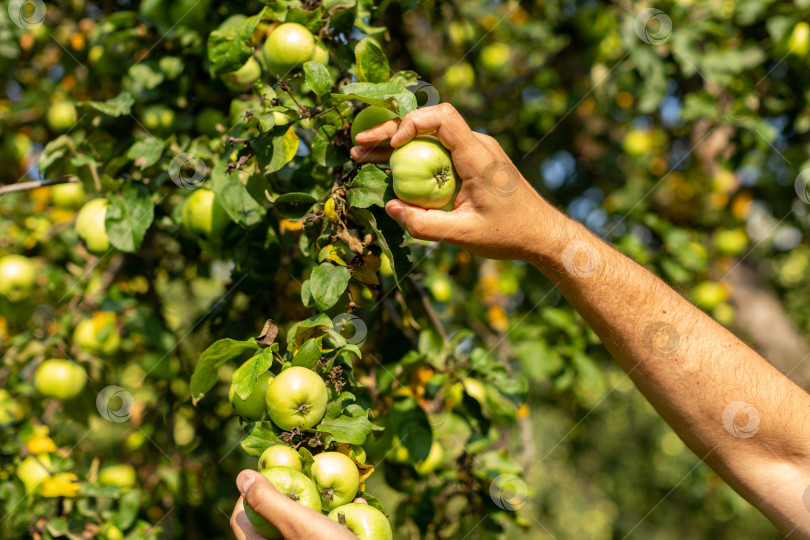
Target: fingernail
244 481
397 213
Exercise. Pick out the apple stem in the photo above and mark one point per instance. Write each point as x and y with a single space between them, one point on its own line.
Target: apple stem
342 518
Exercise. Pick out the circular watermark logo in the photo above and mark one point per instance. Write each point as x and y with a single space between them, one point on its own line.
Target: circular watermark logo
653 26
738 412
347 319
428 90
187 171
115 404
508 492
802 186
580 259
662 339
26 14
501 179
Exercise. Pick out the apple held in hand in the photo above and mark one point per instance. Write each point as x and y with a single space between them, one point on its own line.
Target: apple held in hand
336 477
98 335
287 47
280 456
17 277
251 408
90 226
61 379
293 484
296 397
365 521
370 117
203 215
423 173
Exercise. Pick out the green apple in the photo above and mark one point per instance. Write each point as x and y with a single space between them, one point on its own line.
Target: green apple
159 118
188 13
243 78
203 216
33 470
90 225
336 477
460 76
98 335
280 455
208 120
365 521
320 54
423 173
11 411
61 379
295 485
121 475
17 277
707 295
68 196
296 397
799 40
731 241
435 457
61 116
287 47
495 57
251 408
370 117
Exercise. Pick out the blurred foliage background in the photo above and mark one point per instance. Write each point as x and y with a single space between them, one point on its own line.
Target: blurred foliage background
678 135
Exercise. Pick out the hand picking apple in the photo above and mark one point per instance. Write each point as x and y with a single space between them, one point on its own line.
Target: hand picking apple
497 214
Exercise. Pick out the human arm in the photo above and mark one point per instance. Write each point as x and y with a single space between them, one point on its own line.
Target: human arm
293 520
693 371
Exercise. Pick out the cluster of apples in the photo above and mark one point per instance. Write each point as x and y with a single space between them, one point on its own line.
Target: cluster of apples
297 398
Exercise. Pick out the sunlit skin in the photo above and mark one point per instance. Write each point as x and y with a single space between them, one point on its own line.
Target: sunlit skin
497 214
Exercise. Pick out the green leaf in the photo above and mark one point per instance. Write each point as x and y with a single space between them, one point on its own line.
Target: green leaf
145 152
308 355
247 375
234 197
128 508
55 151
294 205
410 423
310 19
352 428
372 65
327 284
369 187
128 218
282 149
229 48
260 436
389 235
321 319
390 95
205 373
115 107
318 78
324 150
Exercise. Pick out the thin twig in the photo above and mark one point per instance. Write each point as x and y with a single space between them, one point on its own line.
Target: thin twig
25 186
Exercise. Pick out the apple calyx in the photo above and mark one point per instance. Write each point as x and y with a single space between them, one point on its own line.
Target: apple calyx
443 176
293 496
303 409
328 494
342 519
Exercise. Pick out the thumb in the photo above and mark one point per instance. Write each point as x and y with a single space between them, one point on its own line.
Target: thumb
293 520
424 224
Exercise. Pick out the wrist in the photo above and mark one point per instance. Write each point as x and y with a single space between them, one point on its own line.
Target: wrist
550 233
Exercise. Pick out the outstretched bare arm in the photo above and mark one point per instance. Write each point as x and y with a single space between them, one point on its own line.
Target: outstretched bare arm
732 408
